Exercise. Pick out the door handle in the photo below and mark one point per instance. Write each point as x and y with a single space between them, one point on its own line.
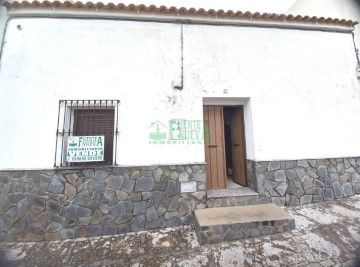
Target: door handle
212 145
236 144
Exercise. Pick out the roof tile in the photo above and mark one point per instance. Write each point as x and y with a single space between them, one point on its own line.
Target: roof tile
163 10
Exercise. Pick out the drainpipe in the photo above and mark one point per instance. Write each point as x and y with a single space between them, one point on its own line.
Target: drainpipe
181 85
3 22
356 51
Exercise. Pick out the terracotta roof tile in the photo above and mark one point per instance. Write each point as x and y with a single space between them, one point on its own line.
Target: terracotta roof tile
182 11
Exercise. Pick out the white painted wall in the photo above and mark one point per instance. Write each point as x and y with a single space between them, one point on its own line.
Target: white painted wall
304 102
302 86
342 9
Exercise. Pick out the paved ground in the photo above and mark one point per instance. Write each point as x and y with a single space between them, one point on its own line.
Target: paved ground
326 234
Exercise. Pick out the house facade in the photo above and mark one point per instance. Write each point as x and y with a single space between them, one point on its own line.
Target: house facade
119 118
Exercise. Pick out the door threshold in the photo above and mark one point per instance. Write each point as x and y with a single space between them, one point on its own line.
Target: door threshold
230 184
231 192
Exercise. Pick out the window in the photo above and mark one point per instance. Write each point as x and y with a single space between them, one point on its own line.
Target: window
78 119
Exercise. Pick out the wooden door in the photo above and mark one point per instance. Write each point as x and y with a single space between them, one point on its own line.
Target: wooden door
238 146
214 147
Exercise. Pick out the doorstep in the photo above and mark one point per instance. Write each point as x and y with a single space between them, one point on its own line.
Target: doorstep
215 225
232 197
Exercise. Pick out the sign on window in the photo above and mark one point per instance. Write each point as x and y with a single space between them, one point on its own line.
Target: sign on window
85 148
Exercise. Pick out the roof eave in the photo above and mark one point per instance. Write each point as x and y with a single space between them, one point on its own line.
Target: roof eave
173 15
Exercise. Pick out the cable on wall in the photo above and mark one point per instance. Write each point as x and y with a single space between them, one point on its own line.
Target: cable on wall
180 87
357 55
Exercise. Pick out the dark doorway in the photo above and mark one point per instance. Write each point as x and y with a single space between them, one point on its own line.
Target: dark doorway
235 147
227 130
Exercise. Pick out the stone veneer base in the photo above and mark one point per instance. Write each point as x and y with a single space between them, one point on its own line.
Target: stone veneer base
304 181
230 232
70 203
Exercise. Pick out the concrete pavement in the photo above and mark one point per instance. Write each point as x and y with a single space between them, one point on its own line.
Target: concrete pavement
326 234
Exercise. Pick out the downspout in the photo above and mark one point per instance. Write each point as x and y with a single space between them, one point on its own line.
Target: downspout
181 86
357 54
3 23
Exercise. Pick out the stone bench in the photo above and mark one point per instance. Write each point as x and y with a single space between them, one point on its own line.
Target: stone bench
215 225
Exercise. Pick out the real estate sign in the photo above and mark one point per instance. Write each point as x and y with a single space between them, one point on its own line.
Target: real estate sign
85 148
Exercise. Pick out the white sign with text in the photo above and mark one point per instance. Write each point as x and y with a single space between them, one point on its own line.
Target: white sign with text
85 148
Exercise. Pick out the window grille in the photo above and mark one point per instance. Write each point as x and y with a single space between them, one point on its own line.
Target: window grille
87 118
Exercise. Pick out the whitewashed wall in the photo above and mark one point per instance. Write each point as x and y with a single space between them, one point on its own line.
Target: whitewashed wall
304 100
302 85
342 9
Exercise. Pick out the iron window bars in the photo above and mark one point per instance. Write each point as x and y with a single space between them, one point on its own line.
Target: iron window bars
87 118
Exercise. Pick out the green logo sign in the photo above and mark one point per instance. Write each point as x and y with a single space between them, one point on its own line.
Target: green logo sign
176 132
85 148
157 131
